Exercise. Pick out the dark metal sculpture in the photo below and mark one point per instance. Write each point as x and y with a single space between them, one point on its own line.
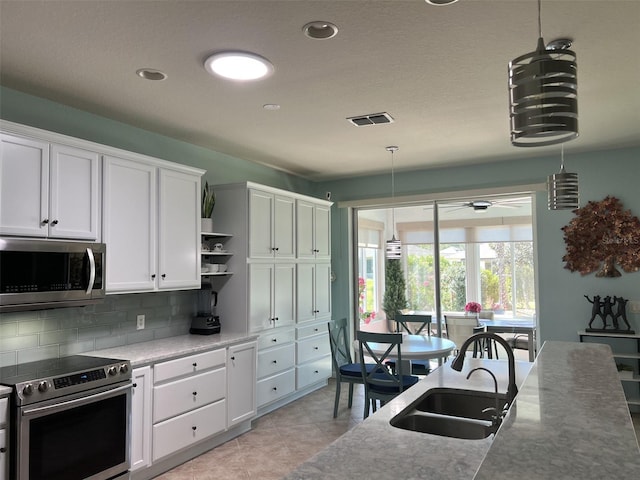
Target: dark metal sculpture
603 308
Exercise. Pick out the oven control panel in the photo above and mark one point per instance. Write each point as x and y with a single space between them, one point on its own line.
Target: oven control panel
37 390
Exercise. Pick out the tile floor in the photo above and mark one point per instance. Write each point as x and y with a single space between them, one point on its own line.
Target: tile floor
281 440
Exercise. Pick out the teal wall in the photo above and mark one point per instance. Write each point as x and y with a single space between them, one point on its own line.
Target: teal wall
37 112
563 310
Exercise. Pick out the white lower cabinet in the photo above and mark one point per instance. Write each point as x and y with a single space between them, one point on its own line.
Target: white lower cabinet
313 354
4 438
189 401
187 429
241 382
141 418
276 365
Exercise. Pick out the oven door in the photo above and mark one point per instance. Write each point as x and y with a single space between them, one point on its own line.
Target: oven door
80 436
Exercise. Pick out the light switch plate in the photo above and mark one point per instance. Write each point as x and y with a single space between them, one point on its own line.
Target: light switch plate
634 306
140 322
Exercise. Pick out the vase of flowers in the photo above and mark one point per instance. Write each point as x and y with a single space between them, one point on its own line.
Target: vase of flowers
473 309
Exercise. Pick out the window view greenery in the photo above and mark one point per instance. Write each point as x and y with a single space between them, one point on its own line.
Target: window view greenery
484 258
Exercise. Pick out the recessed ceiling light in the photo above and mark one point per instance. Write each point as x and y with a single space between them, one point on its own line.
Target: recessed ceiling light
238 65
151 74
440 2
271 106
320 30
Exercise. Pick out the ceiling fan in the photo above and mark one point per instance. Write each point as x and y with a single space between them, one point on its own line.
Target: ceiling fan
483 205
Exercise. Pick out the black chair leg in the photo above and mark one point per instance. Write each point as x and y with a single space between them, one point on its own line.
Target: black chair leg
337 400
350 394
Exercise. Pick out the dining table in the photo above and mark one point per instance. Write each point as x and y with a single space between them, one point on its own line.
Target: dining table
504 325
419 347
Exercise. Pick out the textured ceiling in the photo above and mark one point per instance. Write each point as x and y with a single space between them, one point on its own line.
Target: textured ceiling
441 72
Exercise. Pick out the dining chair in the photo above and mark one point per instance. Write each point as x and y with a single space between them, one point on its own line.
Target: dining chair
461 327
380 384
489 346
345 369
418 324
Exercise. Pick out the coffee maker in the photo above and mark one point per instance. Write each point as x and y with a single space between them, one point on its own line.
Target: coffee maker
206 322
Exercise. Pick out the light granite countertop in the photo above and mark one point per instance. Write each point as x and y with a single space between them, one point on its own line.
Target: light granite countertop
5 390
146 353
570 421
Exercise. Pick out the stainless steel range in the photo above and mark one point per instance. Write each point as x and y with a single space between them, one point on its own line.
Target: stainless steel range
69 418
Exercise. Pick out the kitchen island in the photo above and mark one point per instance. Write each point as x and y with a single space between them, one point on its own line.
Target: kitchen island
570 420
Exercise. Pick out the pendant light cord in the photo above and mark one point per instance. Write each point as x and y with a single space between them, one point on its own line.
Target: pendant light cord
393 192
539 20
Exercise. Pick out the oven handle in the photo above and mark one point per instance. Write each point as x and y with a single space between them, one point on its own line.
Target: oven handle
92 272
78 401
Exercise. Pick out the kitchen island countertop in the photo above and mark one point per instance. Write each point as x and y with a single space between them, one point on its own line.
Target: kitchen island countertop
570 421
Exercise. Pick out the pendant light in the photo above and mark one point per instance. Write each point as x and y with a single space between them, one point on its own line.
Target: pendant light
543 94
394 246
562 188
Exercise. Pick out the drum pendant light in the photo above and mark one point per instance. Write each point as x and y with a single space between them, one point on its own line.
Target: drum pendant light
394 246
543 95
562 188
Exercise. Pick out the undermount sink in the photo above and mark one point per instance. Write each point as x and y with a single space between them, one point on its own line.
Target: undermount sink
451 412
444 425
459 402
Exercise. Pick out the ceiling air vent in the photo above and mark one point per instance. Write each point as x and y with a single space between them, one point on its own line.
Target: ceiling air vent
372 119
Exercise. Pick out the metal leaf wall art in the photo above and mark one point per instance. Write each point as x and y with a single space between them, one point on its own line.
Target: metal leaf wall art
601 235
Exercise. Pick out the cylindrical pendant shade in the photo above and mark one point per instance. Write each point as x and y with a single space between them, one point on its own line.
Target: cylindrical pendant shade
394 249
543 88
562 189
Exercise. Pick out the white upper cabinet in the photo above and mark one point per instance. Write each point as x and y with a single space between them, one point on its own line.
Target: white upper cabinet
48 190
151 227
179 222
313 291
271 225
313 230
271 295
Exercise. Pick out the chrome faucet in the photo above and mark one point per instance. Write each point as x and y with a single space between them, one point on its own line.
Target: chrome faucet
458 362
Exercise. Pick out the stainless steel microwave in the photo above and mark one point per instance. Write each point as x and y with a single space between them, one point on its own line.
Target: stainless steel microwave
39 274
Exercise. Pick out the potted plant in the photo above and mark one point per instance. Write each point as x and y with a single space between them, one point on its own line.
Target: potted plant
394 299
208 202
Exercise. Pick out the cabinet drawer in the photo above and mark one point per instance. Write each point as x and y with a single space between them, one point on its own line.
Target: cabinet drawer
188 393
187 429
192 364
313 372
277 337
4 410
275 360
311 330
312 348
276 387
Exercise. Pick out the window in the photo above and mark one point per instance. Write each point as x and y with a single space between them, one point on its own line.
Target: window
485 258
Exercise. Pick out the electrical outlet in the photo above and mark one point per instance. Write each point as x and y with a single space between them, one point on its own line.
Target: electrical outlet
140 322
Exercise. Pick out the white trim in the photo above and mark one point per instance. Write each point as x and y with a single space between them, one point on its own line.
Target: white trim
53 137
408 200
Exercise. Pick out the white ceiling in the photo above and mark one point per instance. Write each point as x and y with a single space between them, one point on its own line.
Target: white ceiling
441 72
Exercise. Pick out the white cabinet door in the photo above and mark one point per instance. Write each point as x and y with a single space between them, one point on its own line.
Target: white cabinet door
322 232
304 229
283 226
241 383
129 215
179 220
141 418
313 291
74 205
24 187
284 294
271 225
260 297
260 224
4 463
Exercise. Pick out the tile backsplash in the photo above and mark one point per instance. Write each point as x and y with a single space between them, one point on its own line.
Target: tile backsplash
41 334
